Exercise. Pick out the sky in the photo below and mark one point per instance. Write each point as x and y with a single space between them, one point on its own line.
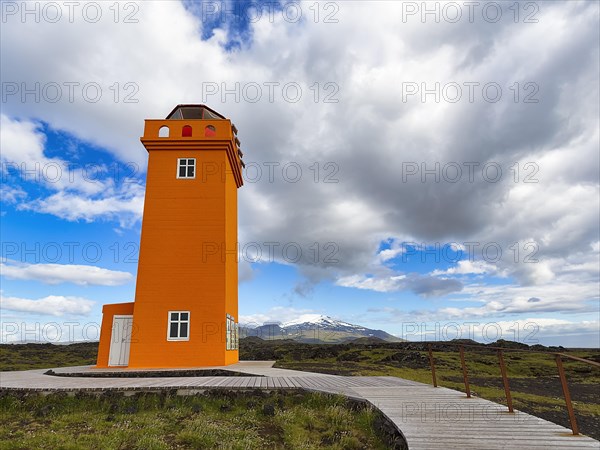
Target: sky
426 168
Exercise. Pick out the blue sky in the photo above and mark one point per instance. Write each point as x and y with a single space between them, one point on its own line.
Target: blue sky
414 208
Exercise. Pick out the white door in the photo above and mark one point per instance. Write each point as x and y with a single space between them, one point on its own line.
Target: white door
120 341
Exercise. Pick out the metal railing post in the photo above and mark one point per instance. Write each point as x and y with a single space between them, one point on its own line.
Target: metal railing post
464 371
432 364
565 388
505 381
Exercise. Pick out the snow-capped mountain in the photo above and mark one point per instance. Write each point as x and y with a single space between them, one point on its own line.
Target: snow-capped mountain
314 328
324 322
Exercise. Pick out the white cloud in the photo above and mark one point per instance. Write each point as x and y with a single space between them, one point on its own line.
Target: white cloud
11 194
530 331
64 273
368 135
125 206
396 248
21 141
23 151
422 285
378 284
245 271
55 305
80 195
516 299
468 267
507 301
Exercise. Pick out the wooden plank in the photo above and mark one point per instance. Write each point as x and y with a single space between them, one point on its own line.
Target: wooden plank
245 382
474 423
430 418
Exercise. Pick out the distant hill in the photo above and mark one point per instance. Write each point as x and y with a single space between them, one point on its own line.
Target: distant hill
367 341
316 330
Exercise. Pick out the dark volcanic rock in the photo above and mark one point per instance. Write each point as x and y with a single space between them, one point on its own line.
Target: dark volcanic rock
407 359
268 409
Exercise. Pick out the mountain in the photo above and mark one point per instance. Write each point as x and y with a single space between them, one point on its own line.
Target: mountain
314 328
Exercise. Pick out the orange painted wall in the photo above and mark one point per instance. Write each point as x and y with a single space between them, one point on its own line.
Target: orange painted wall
231 257
183 265
108 312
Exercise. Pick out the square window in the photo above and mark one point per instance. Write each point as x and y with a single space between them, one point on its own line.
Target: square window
179 326
186 168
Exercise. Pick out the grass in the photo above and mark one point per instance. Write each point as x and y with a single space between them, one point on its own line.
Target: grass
533 375
43 356
217 420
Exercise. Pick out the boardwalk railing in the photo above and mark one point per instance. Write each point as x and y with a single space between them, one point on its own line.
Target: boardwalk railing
503 373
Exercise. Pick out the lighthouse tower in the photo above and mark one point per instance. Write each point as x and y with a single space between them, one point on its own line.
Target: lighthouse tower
185 312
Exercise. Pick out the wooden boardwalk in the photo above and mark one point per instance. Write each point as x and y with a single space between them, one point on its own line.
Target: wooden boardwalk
428 417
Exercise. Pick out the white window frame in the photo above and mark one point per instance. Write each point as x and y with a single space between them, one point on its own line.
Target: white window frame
186 166
170 321
231 333
236 341
227 332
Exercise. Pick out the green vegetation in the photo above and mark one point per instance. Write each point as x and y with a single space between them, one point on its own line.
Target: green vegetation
218 419
44 356
533 375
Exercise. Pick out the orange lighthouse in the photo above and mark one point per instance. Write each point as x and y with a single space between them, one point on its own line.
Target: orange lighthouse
185 312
